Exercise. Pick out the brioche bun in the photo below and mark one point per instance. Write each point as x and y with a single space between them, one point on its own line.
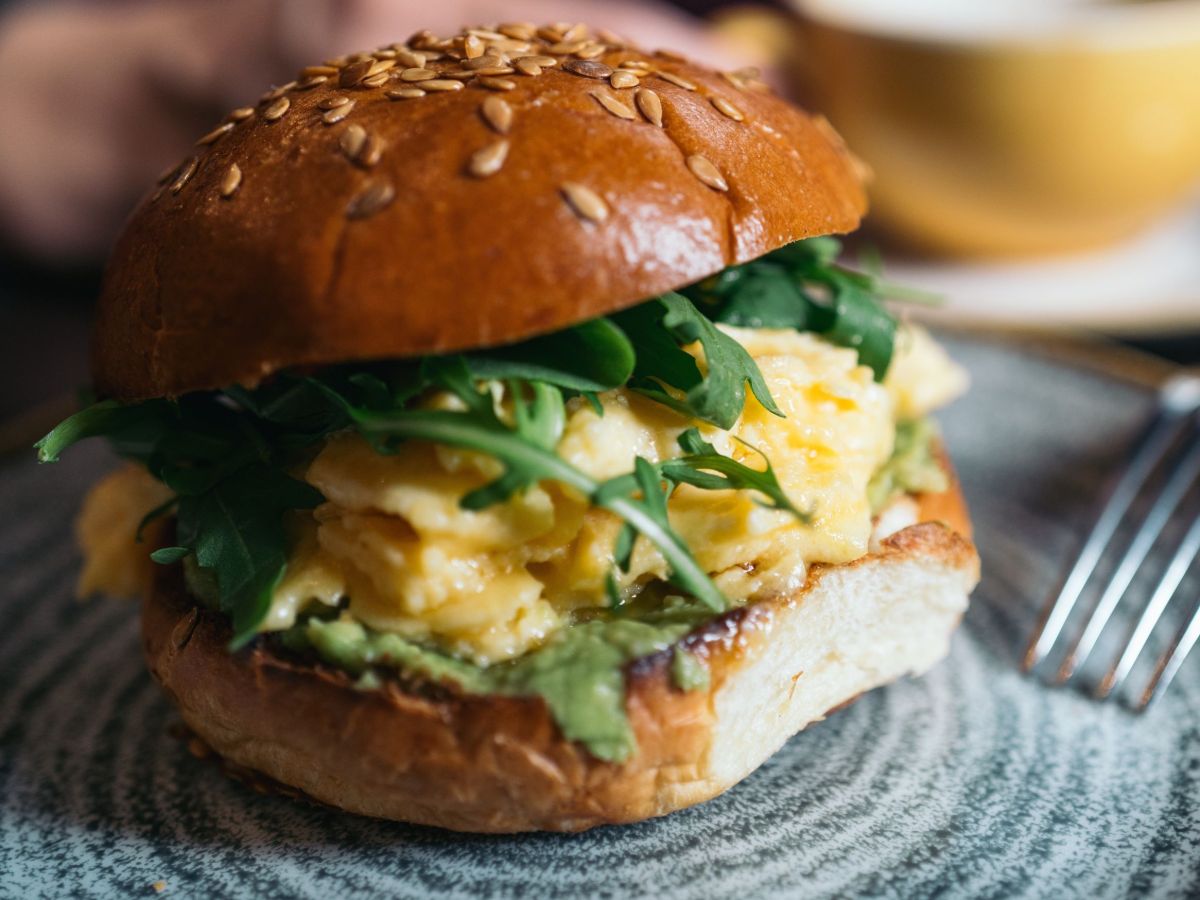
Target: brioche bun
278 264
356 215
499 763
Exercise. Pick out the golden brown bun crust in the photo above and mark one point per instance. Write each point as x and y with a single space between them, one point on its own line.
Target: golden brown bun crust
499 764
203 292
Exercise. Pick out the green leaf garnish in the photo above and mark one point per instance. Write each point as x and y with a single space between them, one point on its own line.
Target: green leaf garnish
717 395
801 286
594 356
703 467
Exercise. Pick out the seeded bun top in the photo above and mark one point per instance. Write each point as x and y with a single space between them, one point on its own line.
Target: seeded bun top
447 194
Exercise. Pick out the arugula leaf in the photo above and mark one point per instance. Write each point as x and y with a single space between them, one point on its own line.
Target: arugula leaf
860 323
236 531
801 286
703 467
594 356
757 295
716 396
164 556
134 430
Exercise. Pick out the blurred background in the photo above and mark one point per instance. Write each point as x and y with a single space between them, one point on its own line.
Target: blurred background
1035 162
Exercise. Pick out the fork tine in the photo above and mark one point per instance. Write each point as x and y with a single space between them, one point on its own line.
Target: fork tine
1169 662
1184 556
1159 438
1160 514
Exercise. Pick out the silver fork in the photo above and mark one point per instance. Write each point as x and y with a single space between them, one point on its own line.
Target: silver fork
1178 416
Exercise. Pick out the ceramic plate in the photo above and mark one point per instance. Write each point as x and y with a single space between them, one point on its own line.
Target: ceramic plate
1150 284
973 781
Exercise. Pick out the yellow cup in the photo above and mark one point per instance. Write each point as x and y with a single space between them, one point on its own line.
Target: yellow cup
1067 130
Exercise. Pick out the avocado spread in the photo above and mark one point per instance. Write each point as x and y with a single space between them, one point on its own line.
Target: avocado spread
579 671
913 467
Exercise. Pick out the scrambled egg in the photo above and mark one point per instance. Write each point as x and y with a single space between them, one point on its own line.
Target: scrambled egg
492 584
392 541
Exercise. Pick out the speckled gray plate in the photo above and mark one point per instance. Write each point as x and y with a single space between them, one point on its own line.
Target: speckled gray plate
972 782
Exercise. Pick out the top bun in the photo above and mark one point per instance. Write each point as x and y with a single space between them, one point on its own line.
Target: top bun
503 198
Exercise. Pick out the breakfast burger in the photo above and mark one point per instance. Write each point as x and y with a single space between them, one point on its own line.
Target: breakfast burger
507 449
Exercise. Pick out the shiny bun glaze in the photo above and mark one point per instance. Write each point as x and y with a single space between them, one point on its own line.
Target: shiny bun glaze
368 210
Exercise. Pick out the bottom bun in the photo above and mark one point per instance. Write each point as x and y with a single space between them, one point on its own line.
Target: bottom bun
499 763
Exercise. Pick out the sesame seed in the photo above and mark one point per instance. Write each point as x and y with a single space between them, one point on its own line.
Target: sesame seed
443 84
492 71
497 113
546 62
215 135
591 50
587 68
650 106
411 59
314 71
623 79
586 202
636 64
527 65
458 74
376 197
352 141
576 33
276 93
552 33
564 48
472 46
185 174
335 115
418 75
519 31
497 84
241 114
374 81
334 101
614 106
707 172
423 39
277 110
726 108
355 72
408 93
482 62
488 160
371 152
231 180
486 34
676 80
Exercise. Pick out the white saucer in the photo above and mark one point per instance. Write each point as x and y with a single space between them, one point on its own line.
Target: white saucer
1150 284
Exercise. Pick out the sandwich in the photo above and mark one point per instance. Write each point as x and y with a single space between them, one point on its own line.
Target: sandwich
505 447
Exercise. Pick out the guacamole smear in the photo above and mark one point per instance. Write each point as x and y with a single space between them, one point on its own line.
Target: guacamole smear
579 672
913 468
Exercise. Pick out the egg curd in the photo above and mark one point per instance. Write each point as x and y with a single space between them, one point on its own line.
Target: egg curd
392 545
